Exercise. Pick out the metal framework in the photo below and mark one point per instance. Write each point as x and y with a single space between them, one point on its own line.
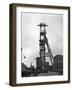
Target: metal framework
43 43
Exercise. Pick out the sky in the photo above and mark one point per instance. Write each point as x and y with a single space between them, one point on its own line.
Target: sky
30 35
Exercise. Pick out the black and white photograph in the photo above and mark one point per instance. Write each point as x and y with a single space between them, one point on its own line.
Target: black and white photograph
42 44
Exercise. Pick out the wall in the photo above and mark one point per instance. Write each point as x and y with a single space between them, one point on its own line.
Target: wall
4 45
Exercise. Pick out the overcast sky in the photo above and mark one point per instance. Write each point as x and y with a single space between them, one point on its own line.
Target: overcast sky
30 35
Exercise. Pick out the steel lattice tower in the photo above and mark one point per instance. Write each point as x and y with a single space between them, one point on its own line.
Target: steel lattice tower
43 42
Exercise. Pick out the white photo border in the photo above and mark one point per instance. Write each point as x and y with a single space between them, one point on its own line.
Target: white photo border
63 77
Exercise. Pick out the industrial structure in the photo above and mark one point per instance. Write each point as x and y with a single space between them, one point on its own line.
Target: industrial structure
45 51
46 64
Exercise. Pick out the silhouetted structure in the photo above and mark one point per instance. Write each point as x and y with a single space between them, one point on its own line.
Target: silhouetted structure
58 64
43 43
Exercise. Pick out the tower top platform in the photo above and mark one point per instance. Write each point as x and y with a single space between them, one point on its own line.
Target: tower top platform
42 25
